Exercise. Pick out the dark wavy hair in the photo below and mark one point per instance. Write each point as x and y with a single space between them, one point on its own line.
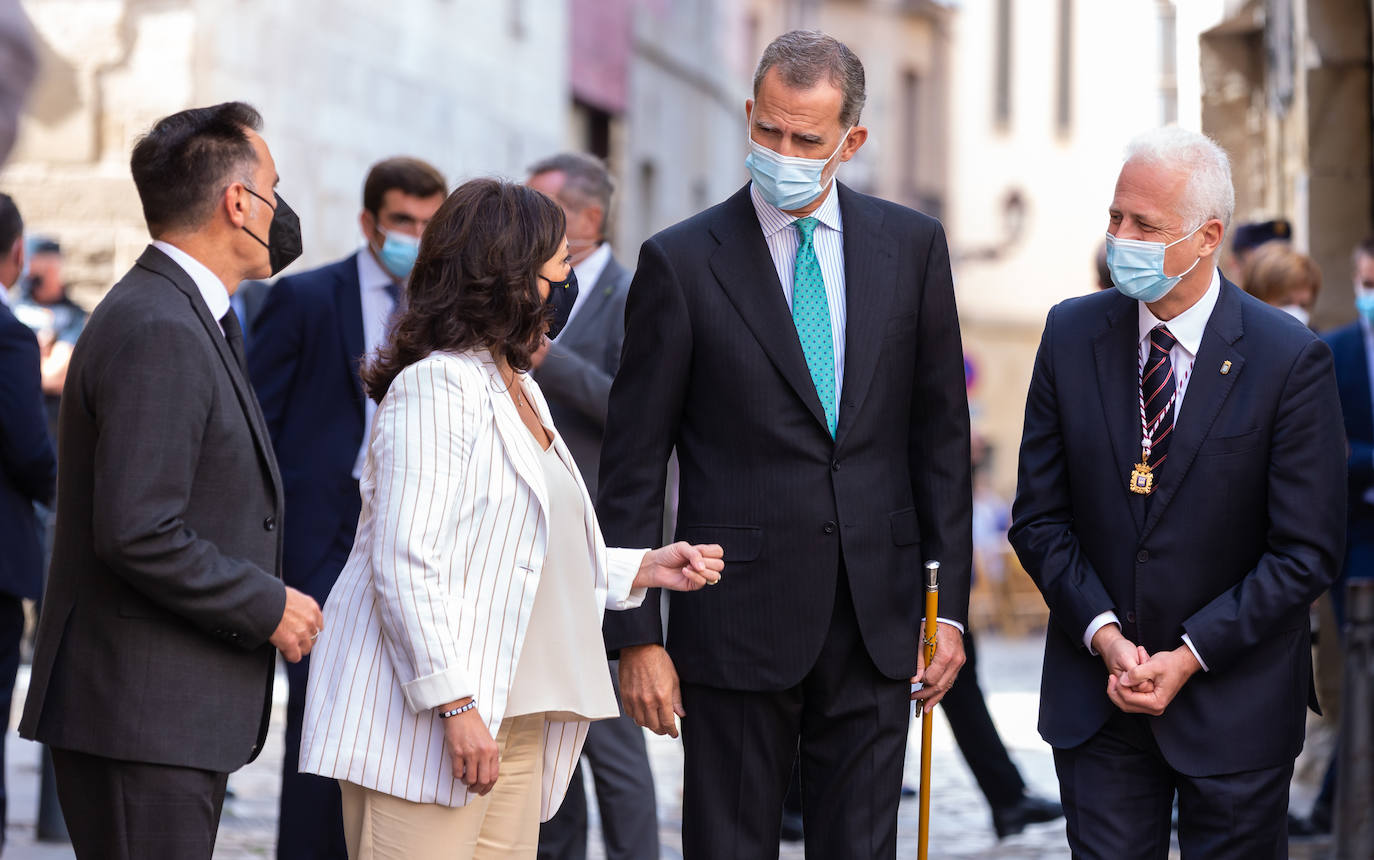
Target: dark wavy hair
475 281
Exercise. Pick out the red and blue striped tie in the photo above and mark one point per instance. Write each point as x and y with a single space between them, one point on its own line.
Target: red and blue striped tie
1157 385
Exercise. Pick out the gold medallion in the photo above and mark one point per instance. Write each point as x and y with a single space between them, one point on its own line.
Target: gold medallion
1142 479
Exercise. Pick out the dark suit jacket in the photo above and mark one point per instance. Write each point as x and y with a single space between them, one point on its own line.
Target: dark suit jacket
308 341
28 468
712 365
1244 531
163 591
1352 380
576 374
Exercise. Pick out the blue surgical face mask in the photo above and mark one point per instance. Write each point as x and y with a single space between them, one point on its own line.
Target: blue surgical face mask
786 181
398 254
1138 267
1364 303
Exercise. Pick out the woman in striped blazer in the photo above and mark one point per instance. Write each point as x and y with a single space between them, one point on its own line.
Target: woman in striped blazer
462 641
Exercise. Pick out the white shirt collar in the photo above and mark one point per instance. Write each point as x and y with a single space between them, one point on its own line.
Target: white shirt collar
371 275
4 295
589 270
212 289
1187 327
773 219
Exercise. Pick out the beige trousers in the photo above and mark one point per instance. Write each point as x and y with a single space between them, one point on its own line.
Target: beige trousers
504 824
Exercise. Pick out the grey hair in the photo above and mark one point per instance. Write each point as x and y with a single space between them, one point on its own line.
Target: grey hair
802 56
586 181
1209 192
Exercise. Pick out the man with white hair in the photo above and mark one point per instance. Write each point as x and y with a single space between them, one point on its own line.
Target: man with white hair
1181 502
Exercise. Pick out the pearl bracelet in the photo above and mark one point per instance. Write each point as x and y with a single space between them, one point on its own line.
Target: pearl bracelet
456 711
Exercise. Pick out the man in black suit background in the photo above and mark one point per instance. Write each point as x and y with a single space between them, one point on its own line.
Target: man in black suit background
312 333
575 377
1181 502
798 344
28 471
164 611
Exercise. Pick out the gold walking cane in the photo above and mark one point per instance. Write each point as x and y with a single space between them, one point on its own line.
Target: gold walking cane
932 607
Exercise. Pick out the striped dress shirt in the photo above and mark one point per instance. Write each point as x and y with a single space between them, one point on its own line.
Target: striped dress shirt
434 601
828 241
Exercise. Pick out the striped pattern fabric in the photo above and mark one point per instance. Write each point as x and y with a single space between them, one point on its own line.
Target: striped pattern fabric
434 601
828 243
1157 386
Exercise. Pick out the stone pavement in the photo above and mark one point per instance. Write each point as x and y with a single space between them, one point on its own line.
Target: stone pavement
961 826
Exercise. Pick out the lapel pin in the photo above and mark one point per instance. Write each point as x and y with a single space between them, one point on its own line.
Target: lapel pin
1225 367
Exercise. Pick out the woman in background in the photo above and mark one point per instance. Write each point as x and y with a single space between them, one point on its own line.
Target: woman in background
462 642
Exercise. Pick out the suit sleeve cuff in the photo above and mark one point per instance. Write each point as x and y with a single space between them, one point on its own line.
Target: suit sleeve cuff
1188 640
1108 617
446 685
622 566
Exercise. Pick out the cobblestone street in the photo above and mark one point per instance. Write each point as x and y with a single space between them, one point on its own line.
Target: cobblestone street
961 826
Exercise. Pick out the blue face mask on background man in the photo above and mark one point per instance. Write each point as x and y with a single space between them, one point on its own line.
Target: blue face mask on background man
1138 267
787 181
1364 303
398 253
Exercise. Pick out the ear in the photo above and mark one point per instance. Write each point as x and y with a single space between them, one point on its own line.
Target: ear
748 113
857 135
1213 234
237 203
16 255
368 222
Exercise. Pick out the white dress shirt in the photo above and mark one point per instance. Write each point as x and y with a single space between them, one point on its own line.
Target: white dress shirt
588 273
828 241
211 288
377 307
1187 329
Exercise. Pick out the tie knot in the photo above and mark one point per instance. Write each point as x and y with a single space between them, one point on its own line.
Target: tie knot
230 323
806 226
1162 339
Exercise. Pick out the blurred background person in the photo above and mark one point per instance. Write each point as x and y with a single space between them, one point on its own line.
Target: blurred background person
575 376
1249 236
1352 348
463 636
1278 274
43 305
314 331
28 472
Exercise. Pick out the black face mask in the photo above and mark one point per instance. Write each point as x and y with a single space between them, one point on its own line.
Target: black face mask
284 237
562 297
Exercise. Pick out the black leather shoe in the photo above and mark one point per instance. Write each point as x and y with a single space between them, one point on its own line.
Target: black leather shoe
791 826
1029 809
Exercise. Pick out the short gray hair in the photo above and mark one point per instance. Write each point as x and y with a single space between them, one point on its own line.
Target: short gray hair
802 56
585 181
1209 192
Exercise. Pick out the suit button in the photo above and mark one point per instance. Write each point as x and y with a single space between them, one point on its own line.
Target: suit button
1130 617
1142 556
828 528
270 523
834 465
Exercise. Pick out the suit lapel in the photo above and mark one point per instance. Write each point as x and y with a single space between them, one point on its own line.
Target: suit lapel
587 324
519 446
1117 349
869 282
159 263
1207 390
745 270
348 299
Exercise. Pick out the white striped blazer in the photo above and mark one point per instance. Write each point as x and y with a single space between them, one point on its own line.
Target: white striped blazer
433 603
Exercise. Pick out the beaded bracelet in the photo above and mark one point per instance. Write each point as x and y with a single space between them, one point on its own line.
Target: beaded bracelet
456 711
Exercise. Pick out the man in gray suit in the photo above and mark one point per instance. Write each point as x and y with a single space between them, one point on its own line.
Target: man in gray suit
575 377
164 608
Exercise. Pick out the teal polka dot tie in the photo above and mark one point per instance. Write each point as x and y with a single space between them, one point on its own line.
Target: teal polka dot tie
811 315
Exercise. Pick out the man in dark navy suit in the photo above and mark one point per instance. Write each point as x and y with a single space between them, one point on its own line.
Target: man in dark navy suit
1181 502
312 333
798 345
28 470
